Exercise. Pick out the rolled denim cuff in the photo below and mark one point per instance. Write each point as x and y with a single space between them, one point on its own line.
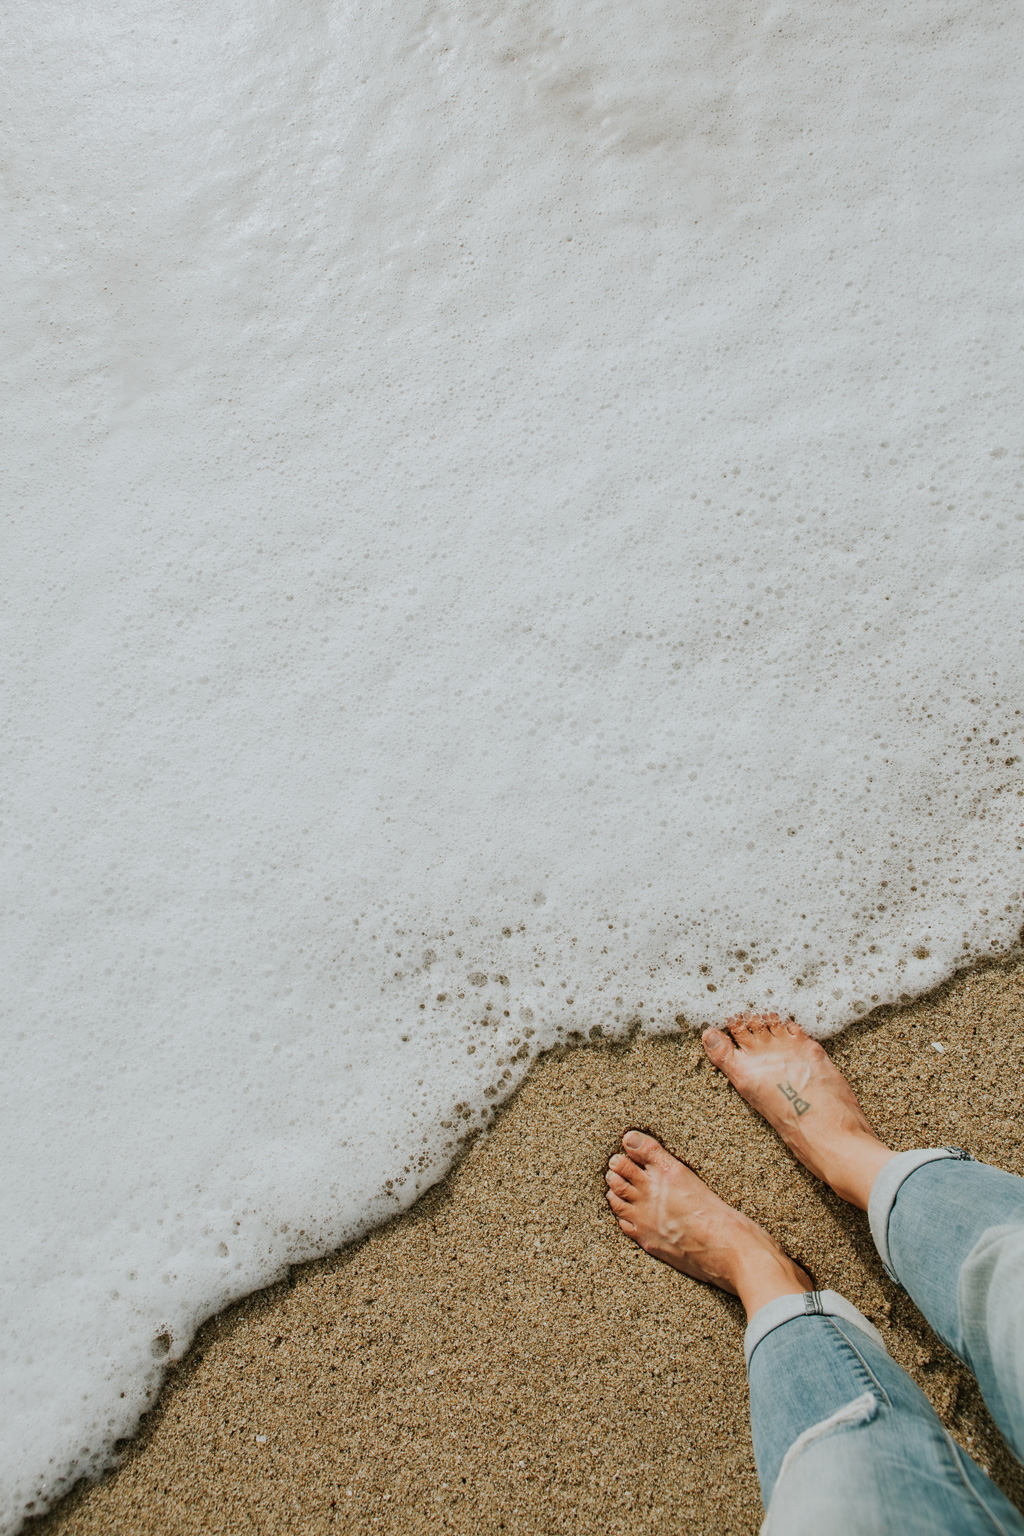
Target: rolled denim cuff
808 1304
887 1186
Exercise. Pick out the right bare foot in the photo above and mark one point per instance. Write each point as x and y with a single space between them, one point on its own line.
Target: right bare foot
788 1078
673 1215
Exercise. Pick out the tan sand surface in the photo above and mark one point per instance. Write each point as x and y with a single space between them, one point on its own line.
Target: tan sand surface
500 1358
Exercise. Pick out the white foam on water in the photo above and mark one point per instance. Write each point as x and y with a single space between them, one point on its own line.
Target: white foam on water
513 522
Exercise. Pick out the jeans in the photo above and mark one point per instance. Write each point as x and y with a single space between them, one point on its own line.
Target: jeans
844 1441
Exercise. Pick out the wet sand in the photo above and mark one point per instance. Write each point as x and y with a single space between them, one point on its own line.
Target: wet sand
501 1359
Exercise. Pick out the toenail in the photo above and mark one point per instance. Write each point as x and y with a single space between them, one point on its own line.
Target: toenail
712 1036
632 1139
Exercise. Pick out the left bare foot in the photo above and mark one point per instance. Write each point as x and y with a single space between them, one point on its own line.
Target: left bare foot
673 1215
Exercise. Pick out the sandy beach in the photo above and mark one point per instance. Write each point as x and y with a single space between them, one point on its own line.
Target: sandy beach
501 1359
515 518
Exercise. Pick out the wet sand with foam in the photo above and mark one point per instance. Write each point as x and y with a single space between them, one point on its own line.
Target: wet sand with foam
500 1359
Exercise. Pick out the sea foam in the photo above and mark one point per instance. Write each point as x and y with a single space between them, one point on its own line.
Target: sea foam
513 531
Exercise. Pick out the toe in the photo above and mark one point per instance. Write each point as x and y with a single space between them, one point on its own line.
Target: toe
618 1206
627 1227
750 1031
643 1149
618 1184
626 1168
741 1033
717 1045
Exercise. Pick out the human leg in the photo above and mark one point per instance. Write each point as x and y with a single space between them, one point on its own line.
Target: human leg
843 1439
951 1231
947 1228
846 1443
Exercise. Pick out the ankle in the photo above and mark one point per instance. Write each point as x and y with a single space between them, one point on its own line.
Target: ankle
770 1275
855 1165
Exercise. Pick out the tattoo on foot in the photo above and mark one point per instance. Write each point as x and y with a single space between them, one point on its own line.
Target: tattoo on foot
800 1105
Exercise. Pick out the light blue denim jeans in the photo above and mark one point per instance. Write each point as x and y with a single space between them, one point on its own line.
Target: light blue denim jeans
844 1441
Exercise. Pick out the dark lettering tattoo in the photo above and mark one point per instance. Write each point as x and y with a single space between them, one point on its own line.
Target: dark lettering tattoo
800 1105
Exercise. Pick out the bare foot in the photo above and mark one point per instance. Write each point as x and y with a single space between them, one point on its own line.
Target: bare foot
788 1078
673 1215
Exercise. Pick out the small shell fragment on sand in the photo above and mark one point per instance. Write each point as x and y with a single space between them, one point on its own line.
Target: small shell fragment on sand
937 1045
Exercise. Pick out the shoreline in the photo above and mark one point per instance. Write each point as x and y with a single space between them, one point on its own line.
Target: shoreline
499 1357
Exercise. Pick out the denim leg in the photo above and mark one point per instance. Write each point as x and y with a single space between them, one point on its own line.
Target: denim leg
951 1232
845 1443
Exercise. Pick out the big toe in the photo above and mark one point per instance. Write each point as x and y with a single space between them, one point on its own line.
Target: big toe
726 1052
717 1045
643 1149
